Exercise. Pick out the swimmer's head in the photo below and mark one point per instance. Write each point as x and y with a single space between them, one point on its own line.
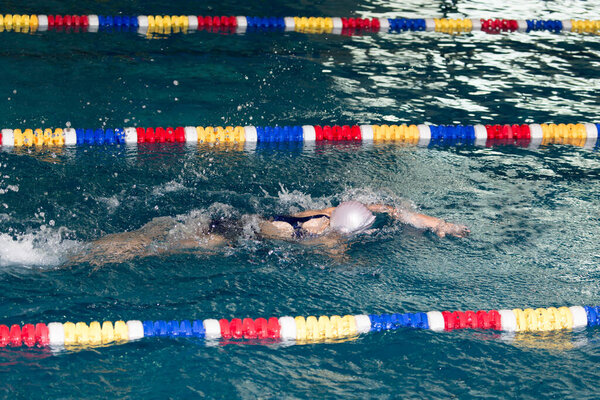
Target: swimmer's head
351 217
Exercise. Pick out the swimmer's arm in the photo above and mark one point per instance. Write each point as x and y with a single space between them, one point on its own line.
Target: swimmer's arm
422 221
310 213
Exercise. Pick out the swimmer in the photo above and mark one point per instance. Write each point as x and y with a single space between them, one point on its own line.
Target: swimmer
327 227
351 217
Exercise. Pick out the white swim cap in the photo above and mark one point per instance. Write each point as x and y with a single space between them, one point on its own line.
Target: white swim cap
351 217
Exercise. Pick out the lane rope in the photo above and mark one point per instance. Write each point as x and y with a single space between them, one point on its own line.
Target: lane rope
299 330
166 24
524 135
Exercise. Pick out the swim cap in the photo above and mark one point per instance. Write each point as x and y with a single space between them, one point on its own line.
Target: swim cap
351 217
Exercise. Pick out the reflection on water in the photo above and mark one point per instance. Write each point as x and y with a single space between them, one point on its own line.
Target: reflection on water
287 78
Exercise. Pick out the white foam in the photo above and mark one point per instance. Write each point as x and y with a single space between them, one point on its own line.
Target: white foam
300 200
368 195
9 188
112 203
46 247
169 187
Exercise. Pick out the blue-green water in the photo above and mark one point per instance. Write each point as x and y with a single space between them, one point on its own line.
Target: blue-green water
533 213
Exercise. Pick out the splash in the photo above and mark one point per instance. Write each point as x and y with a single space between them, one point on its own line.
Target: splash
111 203
9 188
169 187
368 195
297 201
45 248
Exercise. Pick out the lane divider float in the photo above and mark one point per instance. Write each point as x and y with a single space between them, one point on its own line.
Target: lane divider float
299 330
525 135
166 24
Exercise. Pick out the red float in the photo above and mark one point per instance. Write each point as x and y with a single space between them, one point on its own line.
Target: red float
525 132
15 336
471 319
249 328
28 335
161 135
274 328
225 330
448 320
150 135
261 327
170 135
180 134
235 327
346 132
356 133
516 130
4 335
141 135
375 25
336 132
327 133
507 132
460 320
318 133
42 334
483 320
495 320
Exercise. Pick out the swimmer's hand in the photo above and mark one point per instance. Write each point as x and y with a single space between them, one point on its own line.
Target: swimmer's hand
422 221
446 228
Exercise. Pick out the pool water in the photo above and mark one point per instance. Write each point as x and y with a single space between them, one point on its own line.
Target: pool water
533 213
